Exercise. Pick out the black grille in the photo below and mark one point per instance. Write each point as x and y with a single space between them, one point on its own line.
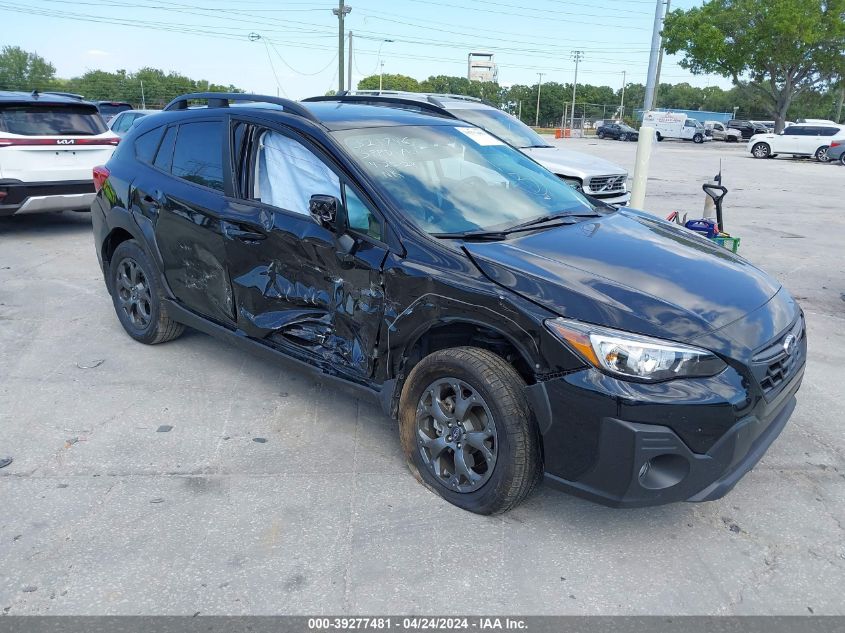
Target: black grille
774 366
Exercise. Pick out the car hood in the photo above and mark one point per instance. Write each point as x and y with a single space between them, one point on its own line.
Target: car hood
568 163
632 271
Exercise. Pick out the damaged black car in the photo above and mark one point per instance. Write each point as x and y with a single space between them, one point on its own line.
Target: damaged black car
516 329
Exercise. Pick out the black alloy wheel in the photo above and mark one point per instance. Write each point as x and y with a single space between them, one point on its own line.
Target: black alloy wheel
133 293
456 434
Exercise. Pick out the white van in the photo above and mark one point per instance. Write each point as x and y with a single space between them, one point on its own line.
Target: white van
675 125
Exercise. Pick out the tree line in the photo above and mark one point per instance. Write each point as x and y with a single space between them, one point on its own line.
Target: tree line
22 70
599 102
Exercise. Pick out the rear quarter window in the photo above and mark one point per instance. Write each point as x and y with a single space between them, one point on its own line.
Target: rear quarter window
51 120
147 144
198 155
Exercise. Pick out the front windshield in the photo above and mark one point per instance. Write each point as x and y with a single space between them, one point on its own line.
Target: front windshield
503 125
455 179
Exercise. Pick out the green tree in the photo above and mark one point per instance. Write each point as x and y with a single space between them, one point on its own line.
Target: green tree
776 48
21 70
390 82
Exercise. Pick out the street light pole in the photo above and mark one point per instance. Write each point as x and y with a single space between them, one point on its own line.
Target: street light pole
577 56
349 65
653 57
340 12
537 114
381 63
622 103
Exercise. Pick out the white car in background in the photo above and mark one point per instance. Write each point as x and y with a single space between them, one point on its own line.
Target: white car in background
800 139
49 146
594 176
121 123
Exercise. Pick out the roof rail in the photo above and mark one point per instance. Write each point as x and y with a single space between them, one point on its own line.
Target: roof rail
421 102
407 93
222 99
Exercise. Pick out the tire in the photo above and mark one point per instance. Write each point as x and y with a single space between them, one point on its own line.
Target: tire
137 297
659 136
600 135
842 160
761 150
821 154
698 139
623 137
497 414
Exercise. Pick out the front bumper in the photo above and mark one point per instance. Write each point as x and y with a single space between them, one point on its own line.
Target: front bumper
39 197
603 449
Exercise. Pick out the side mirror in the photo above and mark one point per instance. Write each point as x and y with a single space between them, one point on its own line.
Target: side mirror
328 212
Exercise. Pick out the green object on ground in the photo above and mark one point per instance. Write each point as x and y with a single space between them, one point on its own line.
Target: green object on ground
731 243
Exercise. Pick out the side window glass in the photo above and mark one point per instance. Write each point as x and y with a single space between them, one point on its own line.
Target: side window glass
360 217
146 145
288 174
828 131
198 155
164 157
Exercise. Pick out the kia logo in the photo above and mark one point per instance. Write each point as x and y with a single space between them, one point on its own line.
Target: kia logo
65 141
789 344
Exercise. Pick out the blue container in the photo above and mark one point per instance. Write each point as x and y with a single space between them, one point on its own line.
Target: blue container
704 226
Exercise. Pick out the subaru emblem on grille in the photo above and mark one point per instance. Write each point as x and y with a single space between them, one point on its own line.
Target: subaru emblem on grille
789 343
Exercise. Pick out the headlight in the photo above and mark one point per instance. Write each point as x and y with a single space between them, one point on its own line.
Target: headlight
632 355
572 182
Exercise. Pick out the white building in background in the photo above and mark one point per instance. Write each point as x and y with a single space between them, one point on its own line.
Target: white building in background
481 67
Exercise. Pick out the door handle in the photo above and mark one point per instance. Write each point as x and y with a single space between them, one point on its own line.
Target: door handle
234 232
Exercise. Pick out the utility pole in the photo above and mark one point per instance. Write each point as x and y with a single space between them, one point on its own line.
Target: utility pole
577 56
659 67
381 63
622 103
349 65
143 100
340 12
652 59
519 116
537 114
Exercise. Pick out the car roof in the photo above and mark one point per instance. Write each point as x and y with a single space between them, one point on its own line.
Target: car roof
328 112
339 115
38 97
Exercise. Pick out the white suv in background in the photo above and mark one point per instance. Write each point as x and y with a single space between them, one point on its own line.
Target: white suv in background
799 139
594 176
49 145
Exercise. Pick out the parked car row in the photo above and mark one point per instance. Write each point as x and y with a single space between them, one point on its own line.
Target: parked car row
509 324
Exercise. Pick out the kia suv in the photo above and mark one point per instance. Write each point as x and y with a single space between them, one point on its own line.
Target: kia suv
48 145
594 176
512 326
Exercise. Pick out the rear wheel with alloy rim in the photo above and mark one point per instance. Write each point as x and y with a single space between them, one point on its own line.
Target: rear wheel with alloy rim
761 150
821 154
467 430
137 296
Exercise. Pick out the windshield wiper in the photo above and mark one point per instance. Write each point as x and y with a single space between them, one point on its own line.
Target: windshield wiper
477 236
533 146
547 218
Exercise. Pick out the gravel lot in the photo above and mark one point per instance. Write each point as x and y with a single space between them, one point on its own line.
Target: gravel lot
272 494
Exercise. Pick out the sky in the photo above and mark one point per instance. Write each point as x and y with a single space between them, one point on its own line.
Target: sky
290 48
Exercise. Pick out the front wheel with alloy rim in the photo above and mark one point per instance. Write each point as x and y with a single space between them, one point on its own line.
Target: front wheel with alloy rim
467 430
761 150
842 160
698 138
624 137
137 296
821 154
600 134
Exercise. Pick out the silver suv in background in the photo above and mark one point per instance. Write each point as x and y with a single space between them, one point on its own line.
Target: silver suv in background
594 176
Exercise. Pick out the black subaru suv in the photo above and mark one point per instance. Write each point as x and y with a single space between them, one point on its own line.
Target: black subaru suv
512 326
